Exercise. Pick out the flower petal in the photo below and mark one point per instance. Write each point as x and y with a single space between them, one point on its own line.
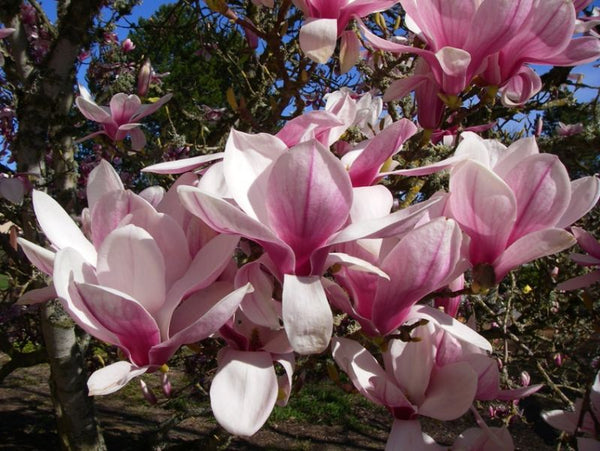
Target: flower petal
244 391
318 38
307 317
60 228
113 377
130 261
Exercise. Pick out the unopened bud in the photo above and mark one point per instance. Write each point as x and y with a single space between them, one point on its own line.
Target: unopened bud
144 77
147 392
558 359
165 384
525 379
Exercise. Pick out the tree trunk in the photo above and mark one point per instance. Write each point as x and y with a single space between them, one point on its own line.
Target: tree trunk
45 97
74 409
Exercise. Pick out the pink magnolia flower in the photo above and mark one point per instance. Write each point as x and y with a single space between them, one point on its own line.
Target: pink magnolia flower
327 19
513 202
568 129
589 244
296 204
422 261
545 37
492 40
414 382
120 119
138 284
127 45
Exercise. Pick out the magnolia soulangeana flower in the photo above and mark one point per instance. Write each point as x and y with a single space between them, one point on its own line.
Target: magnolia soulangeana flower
327 19
493 40
138 284
514 202
121 118
416 380
295 203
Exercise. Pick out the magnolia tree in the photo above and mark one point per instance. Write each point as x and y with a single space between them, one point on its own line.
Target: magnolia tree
357 189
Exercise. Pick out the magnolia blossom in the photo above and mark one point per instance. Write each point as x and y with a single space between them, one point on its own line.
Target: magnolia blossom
327 19
492 40
138 282
568 129
295 203
415 380
120 119
513 202
589 244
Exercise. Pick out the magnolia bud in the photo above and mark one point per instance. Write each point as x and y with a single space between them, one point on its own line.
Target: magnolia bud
147 392
558 359
525 379
166 384
144 77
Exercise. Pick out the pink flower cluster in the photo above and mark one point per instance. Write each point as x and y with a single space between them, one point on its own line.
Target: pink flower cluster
151 272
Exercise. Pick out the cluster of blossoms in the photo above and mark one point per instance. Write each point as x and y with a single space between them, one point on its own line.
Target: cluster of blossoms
153 271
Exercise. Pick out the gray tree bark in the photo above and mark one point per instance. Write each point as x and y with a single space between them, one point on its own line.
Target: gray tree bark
44 97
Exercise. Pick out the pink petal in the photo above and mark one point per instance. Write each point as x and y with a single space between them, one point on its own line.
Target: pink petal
312 125
412 363
450 393
169 237
450 325
308 199
37 296
349 51
207 265
135 329
153 195
183 165
587 241
366 374
580 282
585 193
228 219
123 107
59 228
542 189
202 327
246 163
92 111
41 258
307 317
103 179
530 247
113 377
318 38
147 110
579 51
399 89
485 208
385 144
109 211
386 226
138 139
408 435
244 391
424 260
197 304
130 261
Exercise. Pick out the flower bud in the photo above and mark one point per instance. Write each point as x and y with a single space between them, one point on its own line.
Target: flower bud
147 392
